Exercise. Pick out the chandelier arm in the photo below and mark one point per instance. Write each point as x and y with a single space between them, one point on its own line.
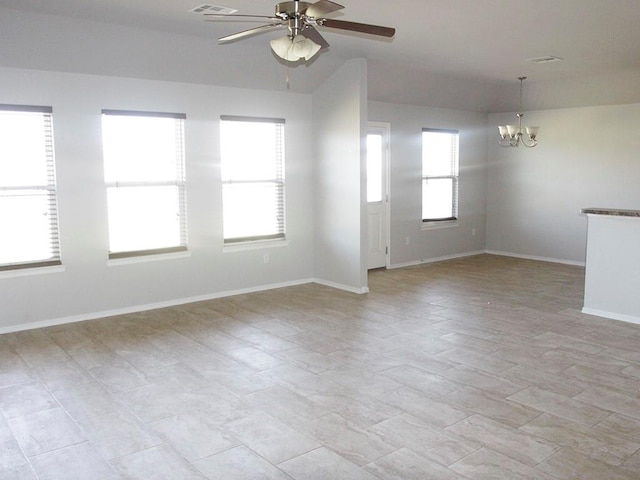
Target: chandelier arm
533 143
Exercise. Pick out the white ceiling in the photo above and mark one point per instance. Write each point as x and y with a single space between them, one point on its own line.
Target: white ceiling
441 46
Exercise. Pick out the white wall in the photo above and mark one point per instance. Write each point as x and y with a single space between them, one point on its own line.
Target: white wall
405 181
587 157
88 286
340 126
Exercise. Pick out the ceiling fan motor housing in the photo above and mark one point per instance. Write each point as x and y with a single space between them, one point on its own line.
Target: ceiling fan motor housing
288 9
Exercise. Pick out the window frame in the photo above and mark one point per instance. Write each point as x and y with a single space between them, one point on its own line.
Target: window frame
454 176
179 182
50 188
278 181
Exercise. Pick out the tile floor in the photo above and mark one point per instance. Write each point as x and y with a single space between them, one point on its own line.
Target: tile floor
478 368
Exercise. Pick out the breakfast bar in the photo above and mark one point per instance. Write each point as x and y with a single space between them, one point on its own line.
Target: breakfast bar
612 276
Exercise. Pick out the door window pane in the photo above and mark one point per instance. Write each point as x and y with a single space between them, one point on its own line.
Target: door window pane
374 167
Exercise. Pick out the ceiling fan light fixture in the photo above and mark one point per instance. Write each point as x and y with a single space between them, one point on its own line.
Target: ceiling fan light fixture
294 49
301 18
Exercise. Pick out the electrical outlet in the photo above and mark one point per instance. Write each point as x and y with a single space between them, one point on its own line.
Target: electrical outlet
407 240
473 232
265 258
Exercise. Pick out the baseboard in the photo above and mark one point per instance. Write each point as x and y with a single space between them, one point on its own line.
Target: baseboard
228 293
436 259
146 307
534 257
340 286
611 315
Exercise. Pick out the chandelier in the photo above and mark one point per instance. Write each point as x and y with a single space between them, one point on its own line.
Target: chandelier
514 135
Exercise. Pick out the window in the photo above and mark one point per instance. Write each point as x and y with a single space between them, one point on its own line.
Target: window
28 204
252 178
439 175
145 179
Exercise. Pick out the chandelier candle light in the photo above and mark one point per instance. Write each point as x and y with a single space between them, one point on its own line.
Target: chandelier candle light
513 135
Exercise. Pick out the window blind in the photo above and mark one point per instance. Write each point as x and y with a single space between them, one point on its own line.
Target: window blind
440 164
253 186
28 197
145 179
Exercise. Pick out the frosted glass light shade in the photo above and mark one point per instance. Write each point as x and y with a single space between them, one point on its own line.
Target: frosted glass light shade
304 48
532 131
512 130
281 46
503 131
294 49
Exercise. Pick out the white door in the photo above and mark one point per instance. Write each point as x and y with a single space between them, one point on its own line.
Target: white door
377 195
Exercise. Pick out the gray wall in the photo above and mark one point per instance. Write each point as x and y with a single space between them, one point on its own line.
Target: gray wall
340 126
587 157
405 182
89 285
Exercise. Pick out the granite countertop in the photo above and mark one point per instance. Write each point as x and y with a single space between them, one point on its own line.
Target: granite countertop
616 212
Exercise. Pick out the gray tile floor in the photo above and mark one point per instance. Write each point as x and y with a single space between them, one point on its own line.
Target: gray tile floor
478 368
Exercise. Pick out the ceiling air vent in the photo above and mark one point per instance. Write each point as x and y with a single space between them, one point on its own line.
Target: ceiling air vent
545 59
208 8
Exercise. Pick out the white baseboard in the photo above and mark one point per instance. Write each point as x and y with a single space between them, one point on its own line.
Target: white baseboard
533 257
347 288
436 259
340 286
611 315
146 307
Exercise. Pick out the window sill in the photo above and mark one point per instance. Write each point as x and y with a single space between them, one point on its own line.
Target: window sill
439 225
25 272
147 258
255 245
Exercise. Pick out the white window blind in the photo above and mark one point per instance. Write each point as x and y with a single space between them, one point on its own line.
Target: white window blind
439 175
253 187
28 204
144 170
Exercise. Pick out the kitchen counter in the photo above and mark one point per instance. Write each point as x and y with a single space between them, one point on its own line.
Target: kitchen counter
614 212
612 276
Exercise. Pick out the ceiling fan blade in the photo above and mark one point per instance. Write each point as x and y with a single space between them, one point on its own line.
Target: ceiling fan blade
321 8
314 35
358 27
212 17
247 33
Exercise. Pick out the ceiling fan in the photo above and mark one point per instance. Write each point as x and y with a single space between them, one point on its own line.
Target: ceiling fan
303 40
